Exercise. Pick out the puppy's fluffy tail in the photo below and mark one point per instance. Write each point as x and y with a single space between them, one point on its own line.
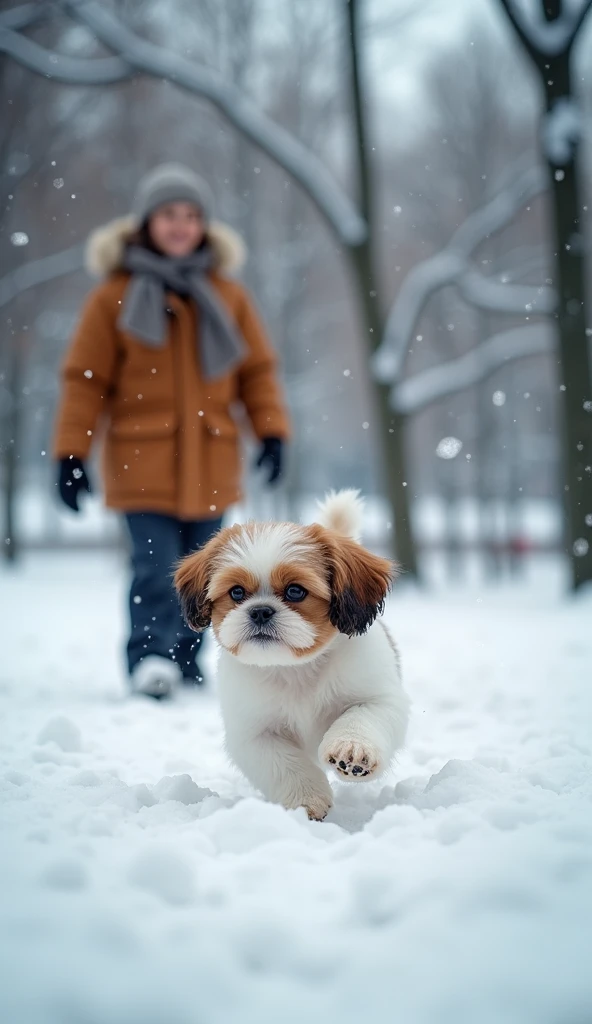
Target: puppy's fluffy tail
343 512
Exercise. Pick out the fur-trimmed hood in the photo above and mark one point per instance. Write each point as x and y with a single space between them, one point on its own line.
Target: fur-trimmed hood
105 246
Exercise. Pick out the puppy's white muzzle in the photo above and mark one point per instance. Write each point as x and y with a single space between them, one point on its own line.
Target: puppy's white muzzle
263 631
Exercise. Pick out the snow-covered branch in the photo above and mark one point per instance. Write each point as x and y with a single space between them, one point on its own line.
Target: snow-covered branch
60 67
448 267
21 17
492 295
423 281
521 185
275 141
418 392
544 38
49 268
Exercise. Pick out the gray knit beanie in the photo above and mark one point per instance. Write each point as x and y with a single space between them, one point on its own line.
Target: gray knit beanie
169 183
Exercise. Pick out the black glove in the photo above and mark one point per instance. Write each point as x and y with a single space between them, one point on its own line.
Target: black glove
72 479
271 456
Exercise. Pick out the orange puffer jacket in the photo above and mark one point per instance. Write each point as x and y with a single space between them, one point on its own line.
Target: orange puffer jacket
171 441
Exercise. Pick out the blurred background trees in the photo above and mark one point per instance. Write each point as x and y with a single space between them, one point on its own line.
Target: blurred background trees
420 114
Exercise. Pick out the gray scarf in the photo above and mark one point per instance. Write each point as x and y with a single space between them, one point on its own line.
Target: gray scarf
220 346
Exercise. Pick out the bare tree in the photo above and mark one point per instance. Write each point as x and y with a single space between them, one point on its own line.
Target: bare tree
363 258
473 132
549 35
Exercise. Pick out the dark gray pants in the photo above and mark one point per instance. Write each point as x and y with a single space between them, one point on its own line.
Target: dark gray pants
157 626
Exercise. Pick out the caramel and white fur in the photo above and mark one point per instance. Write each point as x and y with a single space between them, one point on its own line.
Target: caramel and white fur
308 676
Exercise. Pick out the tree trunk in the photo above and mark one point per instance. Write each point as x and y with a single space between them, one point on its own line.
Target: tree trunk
12 445
561 147
391 426
574 348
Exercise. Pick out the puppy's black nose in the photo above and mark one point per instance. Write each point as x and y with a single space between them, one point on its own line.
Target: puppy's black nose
261 614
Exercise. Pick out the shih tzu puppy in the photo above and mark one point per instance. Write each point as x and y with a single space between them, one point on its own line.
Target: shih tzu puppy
308 675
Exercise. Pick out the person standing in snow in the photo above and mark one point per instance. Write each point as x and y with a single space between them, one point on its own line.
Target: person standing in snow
166 345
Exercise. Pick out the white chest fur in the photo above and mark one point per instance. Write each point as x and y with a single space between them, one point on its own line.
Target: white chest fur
301 702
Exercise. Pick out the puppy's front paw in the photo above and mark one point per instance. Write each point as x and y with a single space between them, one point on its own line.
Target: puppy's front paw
350 758
318 807
316 804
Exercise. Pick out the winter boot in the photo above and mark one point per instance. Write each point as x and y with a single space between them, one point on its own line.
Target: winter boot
155 676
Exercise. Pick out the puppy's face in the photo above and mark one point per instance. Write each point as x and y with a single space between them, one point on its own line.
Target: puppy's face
277 593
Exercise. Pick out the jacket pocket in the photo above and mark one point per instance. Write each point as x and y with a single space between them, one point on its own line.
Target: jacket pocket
219 423
149 424
141 457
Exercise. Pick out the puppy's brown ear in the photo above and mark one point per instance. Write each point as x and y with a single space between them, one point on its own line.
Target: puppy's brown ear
359 584
192 578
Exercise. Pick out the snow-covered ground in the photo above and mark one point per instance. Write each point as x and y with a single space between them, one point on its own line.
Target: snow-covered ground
145 883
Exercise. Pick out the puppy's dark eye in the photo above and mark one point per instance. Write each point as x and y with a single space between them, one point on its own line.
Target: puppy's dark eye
295 593
237 593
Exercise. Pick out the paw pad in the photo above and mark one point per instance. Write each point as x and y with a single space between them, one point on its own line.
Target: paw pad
352 761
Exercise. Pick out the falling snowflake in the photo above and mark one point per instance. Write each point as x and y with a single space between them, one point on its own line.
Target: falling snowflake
580 547
19 238
498 398
88 373
448 448
58 182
